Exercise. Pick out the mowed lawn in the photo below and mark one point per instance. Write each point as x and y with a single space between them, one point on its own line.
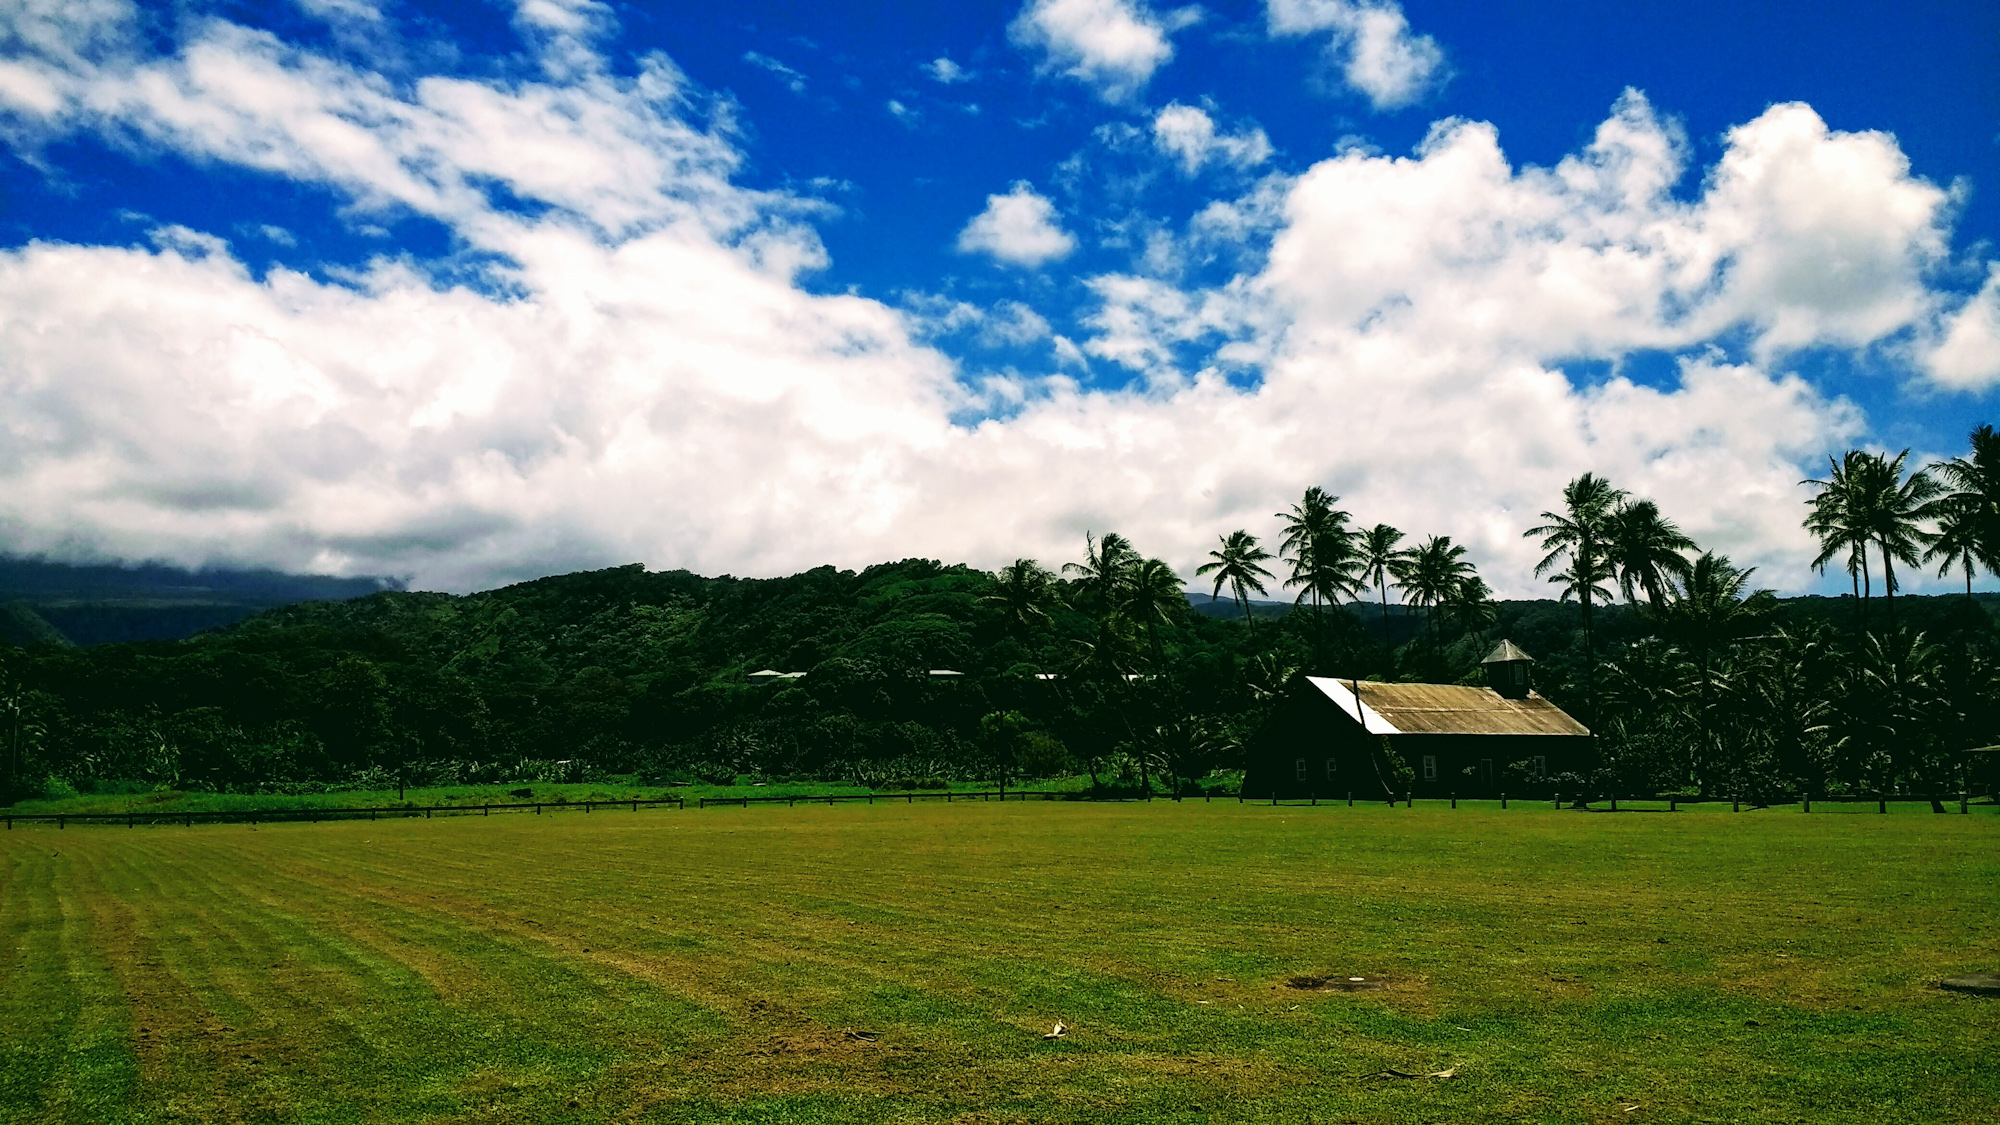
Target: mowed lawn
708 965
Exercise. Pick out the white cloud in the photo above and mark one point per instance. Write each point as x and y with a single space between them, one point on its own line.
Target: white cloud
947 72
1967 356
1014 324
1019 228
903 113
1188 134
1370 41
1113 45
647 381
794 81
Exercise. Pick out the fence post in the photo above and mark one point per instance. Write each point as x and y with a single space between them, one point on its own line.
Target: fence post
1736 803
1964 803
1673 805
371 814
1350 798
486 810
60 822
1503 800
1614 804
1314 798
128 820
538 810
427 814
1881 803
1409 798
1454 800
1559 799
1808 802
635 806
190 820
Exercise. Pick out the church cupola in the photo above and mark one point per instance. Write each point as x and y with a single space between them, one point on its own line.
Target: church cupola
1507 671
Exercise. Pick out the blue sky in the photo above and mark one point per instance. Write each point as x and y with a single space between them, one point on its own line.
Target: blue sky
472 292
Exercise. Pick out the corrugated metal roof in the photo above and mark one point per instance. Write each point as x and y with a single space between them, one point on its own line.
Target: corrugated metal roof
1505 651
1445 709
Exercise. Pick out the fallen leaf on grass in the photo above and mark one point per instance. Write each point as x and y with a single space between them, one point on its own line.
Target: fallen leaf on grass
1058 1033
863 1036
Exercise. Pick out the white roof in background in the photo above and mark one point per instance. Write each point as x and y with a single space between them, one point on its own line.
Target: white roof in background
1057 676
767 672
945 672
1342 694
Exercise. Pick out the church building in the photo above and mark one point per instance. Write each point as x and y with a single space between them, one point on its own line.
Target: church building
1328 737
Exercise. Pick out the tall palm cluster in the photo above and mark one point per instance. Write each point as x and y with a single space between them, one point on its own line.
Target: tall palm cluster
1722 695
1704 681
1949 515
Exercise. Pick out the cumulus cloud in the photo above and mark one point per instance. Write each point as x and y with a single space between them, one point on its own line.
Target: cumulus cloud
1967 356
644 378
1113 45
1370 42
1019 228
1188 134
946 72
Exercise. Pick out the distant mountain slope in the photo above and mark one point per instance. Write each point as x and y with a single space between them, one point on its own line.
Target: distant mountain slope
45 602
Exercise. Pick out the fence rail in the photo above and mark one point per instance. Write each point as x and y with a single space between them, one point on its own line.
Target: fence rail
945 795
1673 801
1881 801
255 816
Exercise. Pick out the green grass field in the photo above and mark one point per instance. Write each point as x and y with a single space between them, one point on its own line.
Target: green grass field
708 965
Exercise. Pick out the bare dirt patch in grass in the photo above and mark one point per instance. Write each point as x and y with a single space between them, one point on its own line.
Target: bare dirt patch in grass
1314 982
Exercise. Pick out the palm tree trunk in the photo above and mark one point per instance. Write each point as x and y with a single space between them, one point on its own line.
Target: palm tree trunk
1589 661
1383 587
1889 582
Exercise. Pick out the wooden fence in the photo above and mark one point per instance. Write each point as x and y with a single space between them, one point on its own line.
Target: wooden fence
1673 802
279 816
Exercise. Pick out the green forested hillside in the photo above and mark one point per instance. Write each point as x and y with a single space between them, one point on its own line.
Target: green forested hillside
626 671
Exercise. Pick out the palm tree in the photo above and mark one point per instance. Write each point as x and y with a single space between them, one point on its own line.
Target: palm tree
1835 518
1153 597
1471 606
1645 549
1107 564
1705 614
1023 591
1435 572
1320 546
1379 558
1958 541
1239 564
1974 502
1892 506
1581 533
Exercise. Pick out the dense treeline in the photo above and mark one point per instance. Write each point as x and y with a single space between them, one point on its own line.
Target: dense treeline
1692 677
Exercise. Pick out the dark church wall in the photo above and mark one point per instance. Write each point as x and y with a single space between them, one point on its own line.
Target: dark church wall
1306 735
1480 765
